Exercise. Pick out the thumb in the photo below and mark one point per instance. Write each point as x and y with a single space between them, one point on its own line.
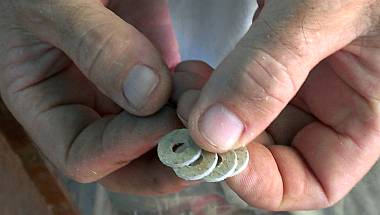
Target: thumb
116 57
266 69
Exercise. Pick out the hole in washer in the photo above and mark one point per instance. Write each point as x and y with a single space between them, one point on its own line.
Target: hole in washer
220 159
178 147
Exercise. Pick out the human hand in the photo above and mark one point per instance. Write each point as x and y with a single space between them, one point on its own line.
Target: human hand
69 67
320 60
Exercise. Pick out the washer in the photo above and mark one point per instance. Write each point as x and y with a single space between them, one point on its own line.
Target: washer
200 168
177 149
225 167
242 155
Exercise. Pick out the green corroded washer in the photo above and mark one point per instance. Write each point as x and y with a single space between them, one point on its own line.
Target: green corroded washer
242 160
177 149
200 168
225 167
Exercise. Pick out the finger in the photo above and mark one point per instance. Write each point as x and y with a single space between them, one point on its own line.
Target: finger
72 123
265 70
133 178
264 184
189 78
116 57
323 164
153 19
73 135
88 148
186 104
190 75
286 126
283 178
269 184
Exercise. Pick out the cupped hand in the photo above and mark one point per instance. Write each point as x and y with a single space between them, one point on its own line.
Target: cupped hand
69 68
307 73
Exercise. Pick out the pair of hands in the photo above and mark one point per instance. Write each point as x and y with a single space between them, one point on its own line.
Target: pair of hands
301 87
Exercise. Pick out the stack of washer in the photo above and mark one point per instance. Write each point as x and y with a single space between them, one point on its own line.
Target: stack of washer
178 151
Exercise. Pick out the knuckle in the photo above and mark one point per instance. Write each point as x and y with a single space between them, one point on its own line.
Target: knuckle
90 59
291 36
269 78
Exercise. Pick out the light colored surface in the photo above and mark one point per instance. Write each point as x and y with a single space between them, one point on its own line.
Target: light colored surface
242 155
224 169
191 163
186 153
198 170
208 29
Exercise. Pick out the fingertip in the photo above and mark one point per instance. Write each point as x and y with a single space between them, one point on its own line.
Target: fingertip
218 128
189 75
185 105
195 66
115 56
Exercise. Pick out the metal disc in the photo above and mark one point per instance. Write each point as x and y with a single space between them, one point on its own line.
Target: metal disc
177 149
226 166
242 160
200 168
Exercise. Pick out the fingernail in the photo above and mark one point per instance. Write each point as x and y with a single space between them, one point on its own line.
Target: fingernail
140 83
221 127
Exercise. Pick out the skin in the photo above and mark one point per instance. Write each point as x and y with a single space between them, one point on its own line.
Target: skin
61 71
303 81
307 73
